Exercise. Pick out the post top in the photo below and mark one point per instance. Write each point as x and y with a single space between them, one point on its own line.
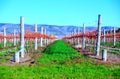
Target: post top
99 14
21 16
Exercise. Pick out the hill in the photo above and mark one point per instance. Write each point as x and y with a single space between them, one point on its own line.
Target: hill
52 29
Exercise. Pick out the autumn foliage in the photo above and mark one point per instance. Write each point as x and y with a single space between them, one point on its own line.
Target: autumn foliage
27 35
92 35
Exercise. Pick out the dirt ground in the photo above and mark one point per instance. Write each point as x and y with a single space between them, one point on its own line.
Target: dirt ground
29 58
111 58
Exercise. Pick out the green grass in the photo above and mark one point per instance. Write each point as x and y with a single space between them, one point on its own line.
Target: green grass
59 47
1 44
59 72
8 44
5 52
111 44
117 44
60 61
107 43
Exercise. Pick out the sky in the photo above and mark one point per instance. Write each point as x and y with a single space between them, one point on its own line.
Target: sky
61 12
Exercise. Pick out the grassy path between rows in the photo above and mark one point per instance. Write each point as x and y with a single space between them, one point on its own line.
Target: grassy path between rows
61 61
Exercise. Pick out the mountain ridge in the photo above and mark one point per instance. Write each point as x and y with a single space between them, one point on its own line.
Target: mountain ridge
52 29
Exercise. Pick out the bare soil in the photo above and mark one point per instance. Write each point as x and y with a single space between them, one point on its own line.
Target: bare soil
29 58
111 58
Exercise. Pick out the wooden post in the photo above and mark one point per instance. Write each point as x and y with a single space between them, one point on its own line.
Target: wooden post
104 39
45 39
17 39
36 46
83 38
17 57
104 55
4 37
74 37
48 39
98 36
14 37
114 38
111 33
78 39
41 39
22 36
71 38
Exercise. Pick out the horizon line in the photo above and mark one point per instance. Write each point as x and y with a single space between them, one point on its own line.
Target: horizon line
61 25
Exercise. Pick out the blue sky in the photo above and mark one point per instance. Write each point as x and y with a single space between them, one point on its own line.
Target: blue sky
61 12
